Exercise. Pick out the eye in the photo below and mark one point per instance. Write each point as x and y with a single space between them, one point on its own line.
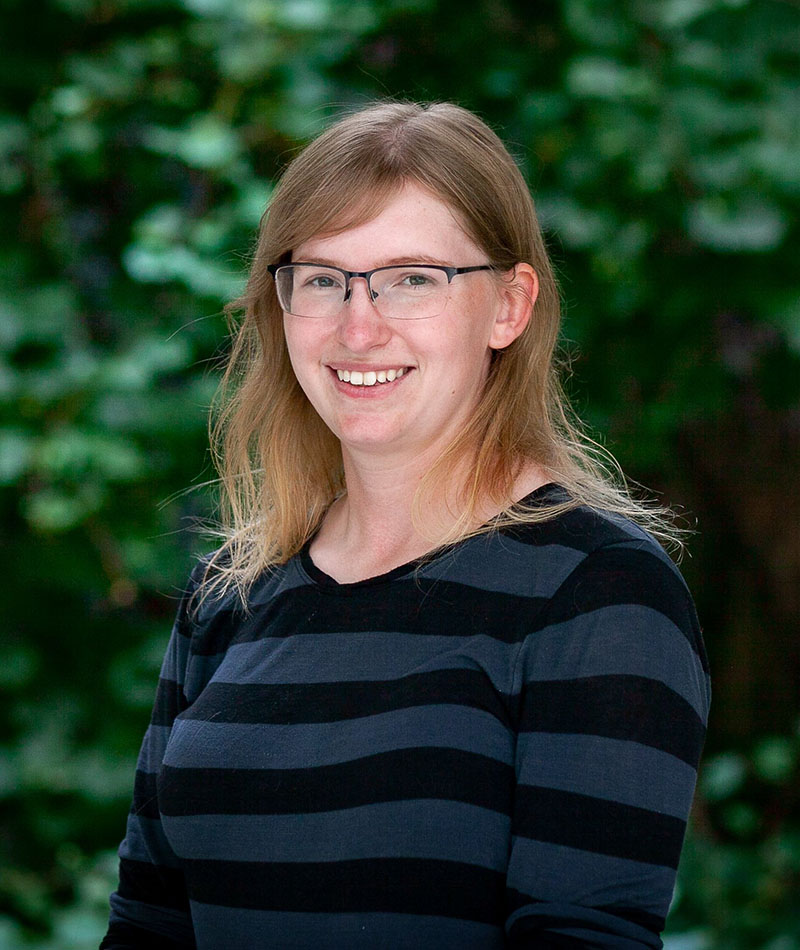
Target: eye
413 278
324 281
416 280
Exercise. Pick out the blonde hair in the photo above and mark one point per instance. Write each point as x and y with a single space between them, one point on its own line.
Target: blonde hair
280 466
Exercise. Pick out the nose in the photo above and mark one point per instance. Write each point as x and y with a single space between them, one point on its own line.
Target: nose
361 327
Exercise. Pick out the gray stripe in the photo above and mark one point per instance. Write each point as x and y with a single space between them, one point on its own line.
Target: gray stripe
205 744
280 580
348 657
554 872
406 829
146 841
155 741
199 672
605 768
627 639
174 924
268 930
175 658
507 566
271 584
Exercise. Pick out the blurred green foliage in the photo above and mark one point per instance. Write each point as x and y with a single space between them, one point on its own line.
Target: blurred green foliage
139 140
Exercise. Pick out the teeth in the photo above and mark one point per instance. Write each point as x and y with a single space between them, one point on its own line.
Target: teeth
370 378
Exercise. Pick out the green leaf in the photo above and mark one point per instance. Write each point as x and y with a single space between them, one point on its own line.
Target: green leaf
745 223
305 14
598 77
576 226
70 101
723 776
54 510
76 454
16 451
599 24
775 759
741 819
205 143
674 14
14 141
18 666
692 940
785 313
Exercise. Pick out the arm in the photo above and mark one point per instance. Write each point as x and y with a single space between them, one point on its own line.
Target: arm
613 701
150 908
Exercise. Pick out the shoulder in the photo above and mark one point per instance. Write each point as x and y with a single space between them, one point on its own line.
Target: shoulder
579 528
622 606
607 560
535 555
211 619
211 608
584 539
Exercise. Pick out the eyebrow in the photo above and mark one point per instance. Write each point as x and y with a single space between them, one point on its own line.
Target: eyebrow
390 261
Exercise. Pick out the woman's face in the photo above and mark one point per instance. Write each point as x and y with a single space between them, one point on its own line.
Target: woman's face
439 363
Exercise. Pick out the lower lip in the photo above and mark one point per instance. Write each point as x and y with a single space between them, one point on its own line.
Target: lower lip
368 392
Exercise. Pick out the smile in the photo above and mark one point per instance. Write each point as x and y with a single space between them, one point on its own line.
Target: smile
356 378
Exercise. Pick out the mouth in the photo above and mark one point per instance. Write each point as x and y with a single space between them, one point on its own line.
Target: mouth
370 377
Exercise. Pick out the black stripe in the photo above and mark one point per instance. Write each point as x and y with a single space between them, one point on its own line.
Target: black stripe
220 620
534 923
425 607
145 795
596 825
521 940
580 529
636 915
122 936
140 881
389 776
417 605
293 703
168 703
376 885
631 708
614 576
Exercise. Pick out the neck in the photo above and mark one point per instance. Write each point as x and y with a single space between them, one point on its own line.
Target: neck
371 530
375 516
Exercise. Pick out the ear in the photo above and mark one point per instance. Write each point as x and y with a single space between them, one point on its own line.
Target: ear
518 294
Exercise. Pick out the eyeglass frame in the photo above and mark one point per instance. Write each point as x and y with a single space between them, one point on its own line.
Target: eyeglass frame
451 272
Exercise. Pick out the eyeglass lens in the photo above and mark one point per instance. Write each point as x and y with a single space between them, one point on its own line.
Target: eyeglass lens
405 292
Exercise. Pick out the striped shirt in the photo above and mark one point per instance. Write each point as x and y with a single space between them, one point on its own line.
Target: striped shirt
494 747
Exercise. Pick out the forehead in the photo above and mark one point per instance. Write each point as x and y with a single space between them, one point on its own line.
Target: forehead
413 224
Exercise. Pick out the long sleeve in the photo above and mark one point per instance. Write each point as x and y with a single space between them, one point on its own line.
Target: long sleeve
150 908
613 699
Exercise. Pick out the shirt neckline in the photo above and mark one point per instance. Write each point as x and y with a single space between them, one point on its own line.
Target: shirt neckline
325 581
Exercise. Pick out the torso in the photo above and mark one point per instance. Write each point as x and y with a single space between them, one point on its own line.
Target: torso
327 774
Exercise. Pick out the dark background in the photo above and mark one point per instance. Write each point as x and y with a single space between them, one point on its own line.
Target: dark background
138 143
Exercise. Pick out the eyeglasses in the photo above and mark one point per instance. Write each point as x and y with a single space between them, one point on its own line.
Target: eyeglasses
398 292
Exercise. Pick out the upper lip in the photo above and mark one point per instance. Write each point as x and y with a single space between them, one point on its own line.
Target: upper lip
367 368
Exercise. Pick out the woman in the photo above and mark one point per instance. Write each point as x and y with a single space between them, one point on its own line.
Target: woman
438 688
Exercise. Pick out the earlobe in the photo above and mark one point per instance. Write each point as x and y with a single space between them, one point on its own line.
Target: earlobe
518 297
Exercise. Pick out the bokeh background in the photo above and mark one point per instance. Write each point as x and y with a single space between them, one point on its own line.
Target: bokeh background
139 140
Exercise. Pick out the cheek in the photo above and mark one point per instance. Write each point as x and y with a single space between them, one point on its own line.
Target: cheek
300 347
468 343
